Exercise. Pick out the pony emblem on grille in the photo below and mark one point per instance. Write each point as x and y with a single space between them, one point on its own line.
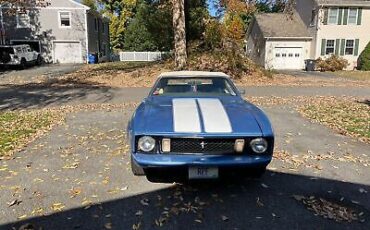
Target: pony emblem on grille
203 144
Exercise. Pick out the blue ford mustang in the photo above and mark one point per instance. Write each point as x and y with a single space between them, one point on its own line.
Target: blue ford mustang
195 125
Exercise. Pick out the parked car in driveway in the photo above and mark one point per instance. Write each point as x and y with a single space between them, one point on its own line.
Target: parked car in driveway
196 125
19 55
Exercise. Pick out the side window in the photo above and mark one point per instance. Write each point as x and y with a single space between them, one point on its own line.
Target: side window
352 16
330 45
333 16
23 19
313 18
64 19
350 44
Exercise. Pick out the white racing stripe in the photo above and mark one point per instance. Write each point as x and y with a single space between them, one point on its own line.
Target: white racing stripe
185 116
215 118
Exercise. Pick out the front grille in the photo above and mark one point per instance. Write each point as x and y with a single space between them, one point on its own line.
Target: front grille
203 146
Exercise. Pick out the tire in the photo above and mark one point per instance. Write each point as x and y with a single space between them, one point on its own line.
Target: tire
5 57
136 169
257 172
39 60
23 64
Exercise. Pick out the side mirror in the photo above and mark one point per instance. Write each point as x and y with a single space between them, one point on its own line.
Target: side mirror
242 91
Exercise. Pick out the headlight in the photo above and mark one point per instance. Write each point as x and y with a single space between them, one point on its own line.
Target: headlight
146 143
259 145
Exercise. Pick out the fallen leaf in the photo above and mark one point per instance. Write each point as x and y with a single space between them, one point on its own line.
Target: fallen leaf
14 202
22 217
361 190
57 207
144 202
108 226
224 218
264 185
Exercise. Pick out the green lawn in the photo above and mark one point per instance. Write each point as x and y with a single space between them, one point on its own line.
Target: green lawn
17 128
347 117
356 75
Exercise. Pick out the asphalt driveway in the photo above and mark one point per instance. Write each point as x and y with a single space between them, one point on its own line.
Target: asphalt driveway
78 177
11 76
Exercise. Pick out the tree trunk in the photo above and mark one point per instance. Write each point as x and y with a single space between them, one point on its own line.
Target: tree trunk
180 34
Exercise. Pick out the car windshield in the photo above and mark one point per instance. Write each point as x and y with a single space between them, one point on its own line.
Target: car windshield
8 50
193 86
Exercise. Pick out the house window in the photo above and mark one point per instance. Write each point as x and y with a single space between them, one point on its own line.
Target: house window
313 18
290 55
333 16
23 19
352 16
350 44
283 55
64 19
330 45
297 55
277 55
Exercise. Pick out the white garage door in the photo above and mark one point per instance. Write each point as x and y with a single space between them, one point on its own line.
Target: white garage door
288 58
67 52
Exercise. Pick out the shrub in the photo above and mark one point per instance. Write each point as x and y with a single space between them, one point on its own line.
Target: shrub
364 59
333 63
213 35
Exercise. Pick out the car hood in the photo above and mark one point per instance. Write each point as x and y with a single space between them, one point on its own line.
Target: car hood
197 116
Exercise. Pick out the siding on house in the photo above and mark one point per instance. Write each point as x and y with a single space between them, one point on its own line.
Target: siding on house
359 33
98 35
46 30
44 27
256 45
341 31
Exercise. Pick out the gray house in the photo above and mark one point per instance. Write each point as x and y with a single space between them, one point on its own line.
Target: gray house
63 32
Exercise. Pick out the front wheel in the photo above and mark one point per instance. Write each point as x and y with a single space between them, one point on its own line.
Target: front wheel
136 169
257 172
39 60
23 64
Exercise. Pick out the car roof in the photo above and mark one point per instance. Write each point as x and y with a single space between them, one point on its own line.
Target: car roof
193 74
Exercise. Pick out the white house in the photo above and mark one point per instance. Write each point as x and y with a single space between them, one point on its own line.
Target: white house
317 28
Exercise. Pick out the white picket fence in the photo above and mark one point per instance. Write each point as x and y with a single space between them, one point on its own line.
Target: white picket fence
141 56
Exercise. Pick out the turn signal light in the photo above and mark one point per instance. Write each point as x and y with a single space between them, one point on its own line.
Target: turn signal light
239 145
166 145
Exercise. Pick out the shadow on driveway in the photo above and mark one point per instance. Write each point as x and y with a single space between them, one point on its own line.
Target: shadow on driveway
51 93
245 205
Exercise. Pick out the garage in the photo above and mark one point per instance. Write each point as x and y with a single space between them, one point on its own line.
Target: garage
288 58
67 52
276 41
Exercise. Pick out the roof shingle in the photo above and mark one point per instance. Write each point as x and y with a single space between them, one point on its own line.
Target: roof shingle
281 25
343 2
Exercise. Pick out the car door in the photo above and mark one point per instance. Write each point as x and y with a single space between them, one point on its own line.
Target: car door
30 54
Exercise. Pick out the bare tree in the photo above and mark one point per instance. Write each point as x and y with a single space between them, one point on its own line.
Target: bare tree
179 34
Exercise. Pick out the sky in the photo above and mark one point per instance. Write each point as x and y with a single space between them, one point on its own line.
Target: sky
211 8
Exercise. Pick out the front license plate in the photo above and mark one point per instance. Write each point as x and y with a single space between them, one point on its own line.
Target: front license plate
203 173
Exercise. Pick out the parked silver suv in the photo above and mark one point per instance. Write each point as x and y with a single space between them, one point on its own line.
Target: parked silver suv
19 55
